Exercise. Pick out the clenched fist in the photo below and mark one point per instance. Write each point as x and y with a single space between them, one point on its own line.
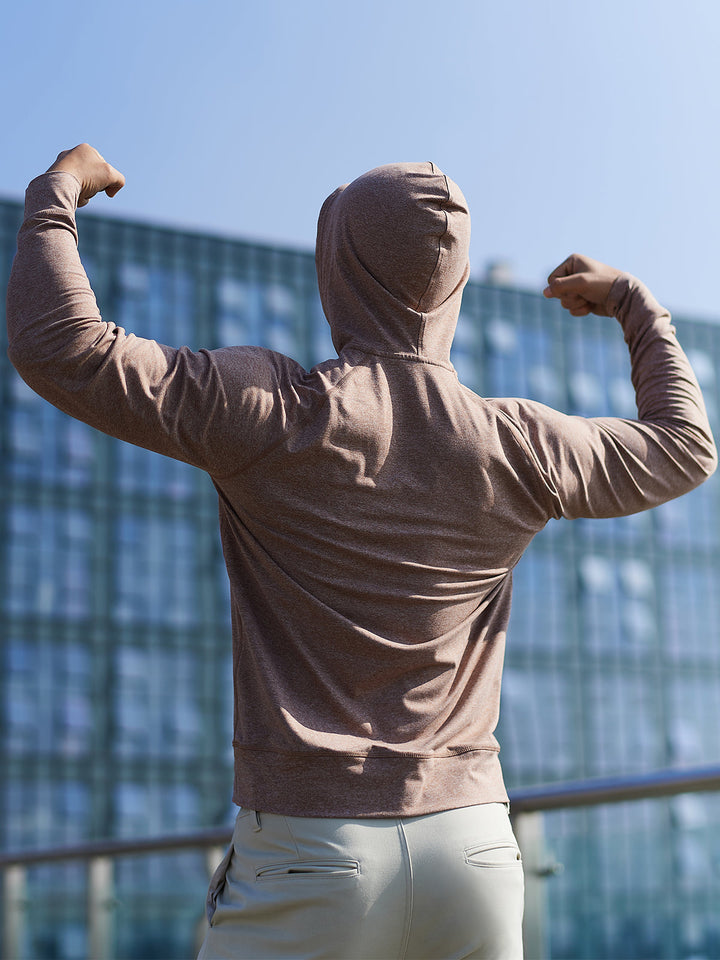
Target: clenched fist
94 174
582 285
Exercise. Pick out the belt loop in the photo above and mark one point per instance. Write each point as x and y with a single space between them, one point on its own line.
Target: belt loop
258 822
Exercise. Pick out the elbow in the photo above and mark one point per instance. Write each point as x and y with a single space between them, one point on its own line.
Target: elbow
709 463
707 453
24 358
29 365
693 455
20 357
703 462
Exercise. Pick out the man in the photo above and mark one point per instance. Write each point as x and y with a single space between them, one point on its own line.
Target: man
372 511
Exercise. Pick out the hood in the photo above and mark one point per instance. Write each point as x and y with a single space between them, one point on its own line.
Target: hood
392 258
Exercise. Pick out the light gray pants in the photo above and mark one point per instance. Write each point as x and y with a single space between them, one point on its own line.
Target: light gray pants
445 885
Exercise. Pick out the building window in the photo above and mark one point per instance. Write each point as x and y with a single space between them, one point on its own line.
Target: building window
616 605
521 361
141 471
143 810
625 732
691 520
47 446
587 394
280 324
238 308
157 703
704 368
538 729
156 302
49 556
46 814
691 612
693 709
539 613
598 364
47 698
156 571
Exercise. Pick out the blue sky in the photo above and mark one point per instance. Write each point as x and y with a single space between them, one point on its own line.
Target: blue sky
569 126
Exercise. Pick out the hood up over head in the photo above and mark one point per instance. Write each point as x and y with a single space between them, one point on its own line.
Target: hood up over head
392 261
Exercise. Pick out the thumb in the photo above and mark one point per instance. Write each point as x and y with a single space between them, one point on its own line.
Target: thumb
117 182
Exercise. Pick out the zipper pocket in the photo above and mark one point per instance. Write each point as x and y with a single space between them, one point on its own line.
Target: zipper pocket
308 869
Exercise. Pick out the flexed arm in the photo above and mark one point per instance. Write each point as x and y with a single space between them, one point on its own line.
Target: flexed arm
607 466
214 409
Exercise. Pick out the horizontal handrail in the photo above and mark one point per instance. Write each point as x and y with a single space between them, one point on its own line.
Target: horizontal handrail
641 786
211 837
552 796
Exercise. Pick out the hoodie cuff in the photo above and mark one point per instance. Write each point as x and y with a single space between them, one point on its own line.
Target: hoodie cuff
634 306
58 189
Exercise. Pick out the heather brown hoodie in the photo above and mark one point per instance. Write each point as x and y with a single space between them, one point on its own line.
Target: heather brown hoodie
372 509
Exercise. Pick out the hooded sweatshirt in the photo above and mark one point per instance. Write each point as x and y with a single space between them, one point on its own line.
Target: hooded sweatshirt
372 509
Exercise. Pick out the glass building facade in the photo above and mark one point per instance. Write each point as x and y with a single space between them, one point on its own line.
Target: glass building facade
115 679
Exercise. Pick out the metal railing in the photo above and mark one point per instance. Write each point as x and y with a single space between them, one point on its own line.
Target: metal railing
527 806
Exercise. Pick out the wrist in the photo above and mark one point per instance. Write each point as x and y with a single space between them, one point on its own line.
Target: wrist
69 173
618 293
56 190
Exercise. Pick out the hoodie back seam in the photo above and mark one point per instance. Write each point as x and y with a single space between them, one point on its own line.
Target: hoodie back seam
438 259
412 357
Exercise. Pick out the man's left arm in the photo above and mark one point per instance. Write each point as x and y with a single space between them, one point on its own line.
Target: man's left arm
213 409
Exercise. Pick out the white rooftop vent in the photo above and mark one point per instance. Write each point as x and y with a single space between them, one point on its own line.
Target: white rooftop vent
499 273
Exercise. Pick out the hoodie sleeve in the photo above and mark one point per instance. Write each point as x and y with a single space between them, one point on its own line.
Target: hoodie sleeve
214 409
611 467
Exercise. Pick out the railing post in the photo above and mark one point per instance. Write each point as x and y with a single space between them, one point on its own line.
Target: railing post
14 906
530 835
101 908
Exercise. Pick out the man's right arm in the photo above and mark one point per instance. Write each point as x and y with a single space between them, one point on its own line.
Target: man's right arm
607 466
